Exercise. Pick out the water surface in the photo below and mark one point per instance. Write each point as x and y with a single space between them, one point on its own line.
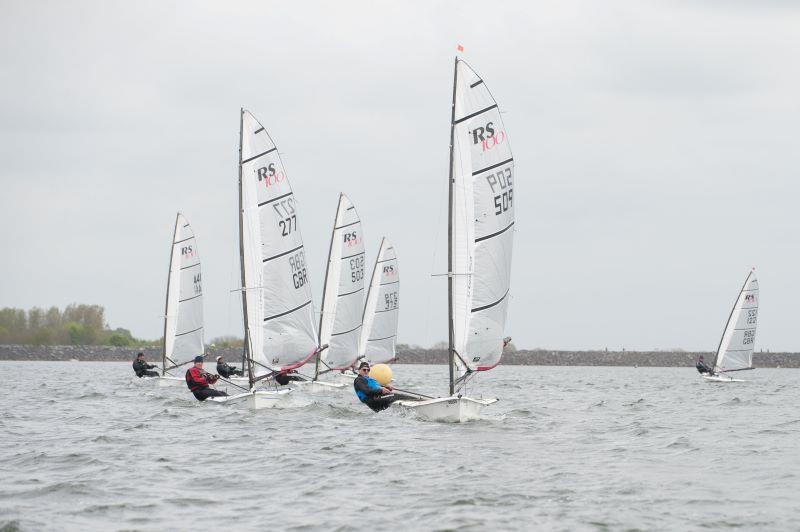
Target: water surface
86 446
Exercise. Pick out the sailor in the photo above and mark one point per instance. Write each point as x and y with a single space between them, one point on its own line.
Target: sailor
370 392
285 377
199 380
702 367
225 370
140 367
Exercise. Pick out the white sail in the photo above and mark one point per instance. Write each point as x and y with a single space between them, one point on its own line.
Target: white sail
343 295
382 309
482 218
735 349
279 311
183 317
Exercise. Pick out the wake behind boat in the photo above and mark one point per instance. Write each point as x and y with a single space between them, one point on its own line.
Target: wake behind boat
480 239
735 350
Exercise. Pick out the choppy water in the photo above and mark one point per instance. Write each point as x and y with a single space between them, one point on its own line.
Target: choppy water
87 447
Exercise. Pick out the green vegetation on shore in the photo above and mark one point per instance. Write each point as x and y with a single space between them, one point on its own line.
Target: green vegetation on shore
77 324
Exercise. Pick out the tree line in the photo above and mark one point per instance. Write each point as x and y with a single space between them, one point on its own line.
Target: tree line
77 324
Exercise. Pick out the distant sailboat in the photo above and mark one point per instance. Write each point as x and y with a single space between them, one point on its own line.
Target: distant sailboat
183 317
480 239
735 351
276 296
382 309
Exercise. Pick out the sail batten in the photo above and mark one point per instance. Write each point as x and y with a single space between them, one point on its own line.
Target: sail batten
482 223
382 308
183 315
342 300
279 318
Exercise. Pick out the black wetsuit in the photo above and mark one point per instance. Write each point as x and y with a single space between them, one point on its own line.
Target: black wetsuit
226 371
140 367
285 378
702 368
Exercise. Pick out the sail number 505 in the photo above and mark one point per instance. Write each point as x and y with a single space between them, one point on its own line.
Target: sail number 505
502 186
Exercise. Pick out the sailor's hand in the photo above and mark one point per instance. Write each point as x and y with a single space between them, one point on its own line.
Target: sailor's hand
385 390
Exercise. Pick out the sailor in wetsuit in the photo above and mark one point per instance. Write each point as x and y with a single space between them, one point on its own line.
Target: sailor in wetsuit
285 377
198 380
225 370
703 368
140 367
370 392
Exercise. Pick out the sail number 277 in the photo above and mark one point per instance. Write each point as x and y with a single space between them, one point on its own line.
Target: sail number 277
502 186
287 214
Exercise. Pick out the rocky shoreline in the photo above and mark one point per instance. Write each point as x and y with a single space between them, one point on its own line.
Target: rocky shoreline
412 356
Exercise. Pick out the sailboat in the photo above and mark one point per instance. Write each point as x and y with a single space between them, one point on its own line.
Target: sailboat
480 238
183 316
276 296
382 309
735 350
342 296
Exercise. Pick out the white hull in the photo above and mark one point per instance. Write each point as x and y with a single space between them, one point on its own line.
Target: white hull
721 378
346 378
319 387
447 409
170 381
259 400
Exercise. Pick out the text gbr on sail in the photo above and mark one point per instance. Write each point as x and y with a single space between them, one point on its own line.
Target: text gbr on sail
298 265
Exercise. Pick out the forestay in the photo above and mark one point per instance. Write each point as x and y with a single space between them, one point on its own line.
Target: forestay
183 317
482 218
382 310
735 349
279 312
343 295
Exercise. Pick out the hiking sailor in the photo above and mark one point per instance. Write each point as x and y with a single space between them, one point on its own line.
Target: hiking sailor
199 381
225 370
140 367
703 368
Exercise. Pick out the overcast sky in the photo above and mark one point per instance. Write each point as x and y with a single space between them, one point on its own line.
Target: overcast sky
656 146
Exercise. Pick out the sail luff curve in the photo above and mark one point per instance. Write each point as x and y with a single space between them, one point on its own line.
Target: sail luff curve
483 224
183 316
343 295
382 308
735 349
280 318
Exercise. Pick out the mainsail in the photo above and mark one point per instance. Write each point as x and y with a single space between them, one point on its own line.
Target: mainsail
279 315
343 295
735 351
183 317
382 310
481 225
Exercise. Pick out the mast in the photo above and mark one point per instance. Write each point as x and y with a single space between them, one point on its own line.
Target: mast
166 305
245 347
450 331
727 323
325 288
